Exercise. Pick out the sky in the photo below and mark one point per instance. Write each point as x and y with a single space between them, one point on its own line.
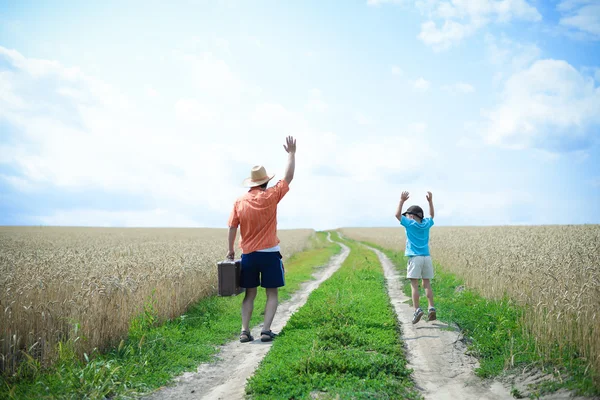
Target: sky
152 113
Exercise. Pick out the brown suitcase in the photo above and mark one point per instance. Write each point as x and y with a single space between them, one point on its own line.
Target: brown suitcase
229 277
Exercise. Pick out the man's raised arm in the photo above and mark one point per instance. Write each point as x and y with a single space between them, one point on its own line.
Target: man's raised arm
290 147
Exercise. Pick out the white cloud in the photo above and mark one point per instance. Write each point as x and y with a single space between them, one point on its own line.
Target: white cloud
23 185
222 44
191 110
88 143
418 127
396 70
422 84
459 87
253 40
97 140
582 15
461 18
316 102
7 91
363 119
508 57
491 207
212 75
550 106
380 2
272 114
363 159
151 92
441 39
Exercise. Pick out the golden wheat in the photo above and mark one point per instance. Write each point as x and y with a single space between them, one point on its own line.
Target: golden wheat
100 279
552 270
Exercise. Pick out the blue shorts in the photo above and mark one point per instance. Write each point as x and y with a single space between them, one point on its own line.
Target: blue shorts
262 268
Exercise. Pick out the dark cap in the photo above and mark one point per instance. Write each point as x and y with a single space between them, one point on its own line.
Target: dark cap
414 210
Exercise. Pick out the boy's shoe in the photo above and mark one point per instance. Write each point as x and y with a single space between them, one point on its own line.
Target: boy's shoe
431 315
417 315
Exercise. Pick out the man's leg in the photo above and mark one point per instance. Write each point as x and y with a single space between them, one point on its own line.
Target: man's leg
247 308
270 307
272 279
428 292
414 284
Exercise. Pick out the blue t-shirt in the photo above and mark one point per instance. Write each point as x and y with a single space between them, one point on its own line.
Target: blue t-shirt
417 236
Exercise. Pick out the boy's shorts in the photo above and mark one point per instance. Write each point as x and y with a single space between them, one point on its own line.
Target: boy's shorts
262 268
419 267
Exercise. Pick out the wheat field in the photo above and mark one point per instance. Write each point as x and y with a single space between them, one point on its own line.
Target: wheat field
553 270
98 279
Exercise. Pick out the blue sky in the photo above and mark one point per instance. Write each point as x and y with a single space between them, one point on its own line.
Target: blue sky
143 113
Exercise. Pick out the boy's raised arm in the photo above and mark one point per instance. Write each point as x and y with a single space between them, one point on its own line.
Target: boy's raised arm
429 198
403 198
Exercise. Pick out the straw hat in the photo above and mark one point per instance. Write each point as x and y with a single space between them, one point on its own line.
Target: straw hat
258 176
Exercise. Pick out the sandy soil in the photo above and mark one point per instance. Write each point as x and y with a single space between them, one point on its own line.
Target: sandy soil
442 369
225 378
435 351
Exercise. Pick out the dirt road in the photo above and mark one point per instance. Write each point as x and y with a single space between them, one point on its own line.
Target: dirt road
442 369
225 378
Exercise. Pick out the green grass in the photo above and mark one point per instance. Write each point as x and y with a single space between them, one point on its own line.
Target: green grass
152 355
494 333
344 342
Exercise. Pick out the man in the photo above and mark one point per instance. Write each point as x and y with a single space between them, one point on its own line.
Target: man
256 214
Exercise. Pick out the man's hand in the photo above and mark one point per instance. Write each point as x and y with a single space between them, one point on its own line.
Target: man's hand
230 255
404 196
290 145
429 197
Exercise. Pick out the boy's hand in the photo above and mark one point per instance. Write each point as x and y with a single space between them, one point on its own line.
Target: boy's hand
404 196
429 197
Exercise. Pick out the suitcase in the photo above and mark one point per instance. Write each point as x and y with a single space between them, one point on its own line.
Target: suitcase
229 277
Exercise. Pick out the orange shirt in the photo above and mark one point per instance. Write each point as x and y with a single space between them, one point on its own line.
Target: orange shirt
256 214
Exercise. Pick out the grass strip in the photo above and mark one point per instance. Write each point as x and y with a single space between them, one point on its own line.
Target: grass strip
152 355
343 343
495 334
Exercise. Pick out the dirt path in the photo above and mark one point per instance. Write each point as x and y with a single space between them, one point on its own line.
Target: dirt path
226 377
442 370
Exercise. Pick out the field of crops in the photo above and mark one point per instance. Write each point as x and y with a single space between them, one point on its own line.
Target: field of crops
53 279
553 270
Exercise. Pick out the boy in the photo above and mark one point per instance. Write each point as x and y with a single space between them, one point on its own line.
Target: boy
417 250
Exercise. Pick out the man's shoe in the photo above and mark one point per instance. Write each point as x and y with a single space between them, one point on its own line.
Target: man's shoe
267 336
246 337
